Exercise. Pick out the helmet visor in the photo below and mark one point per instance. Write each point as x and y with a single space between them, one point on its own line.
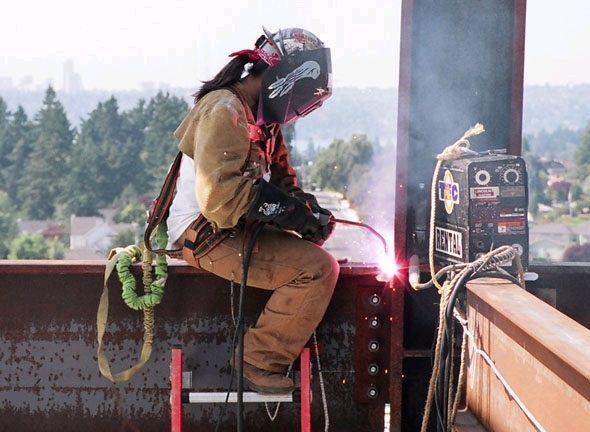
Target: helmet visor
294 87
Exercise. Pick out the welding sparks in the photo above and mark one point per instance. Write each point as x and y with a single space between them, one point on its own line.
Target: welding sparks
386 261
387 266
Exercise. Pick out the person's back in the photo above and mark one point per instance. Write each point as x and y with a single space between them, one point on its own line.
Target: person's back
235 168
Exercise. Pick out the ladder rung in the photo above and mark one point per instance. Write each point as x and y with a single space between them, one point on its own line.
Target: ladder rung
249 397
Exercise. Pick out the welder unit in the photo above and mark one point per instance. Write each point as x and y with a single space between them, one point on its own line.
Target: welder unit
481 204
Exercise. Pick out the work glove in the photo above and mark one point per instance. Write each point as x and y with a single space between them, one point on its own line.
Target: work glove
324 216
287 212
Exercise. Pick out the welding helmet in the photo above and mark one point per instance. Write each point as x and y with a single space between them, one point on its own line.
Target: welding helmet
299 77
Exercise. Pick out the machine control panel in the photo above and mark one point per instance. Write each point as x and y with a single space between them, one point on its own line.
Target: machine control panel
482 203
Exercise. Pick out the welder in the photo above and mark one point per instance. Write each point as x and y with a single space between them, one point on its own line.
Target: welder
235 172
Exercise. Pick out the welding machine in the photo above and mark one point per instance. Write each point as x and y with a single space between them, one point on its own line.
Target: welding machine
481 203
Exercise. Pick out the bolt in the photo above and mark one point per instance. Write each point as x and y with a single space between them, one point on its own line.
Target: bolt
373 346
372 392
374 323
375 299
373 369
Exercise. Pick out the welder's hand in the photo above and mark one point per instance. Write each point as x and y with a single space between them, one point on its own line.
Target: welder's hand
287 212
324 216
309 199
320 236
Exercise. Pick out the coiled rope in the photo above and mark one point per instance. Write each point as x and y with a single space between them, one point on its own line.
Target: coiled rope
441 388
452 152
491 261
122 259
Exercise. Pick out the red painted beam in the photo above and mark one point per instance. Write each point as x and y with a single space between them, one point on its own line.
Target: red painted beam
543 355
176 390
305 369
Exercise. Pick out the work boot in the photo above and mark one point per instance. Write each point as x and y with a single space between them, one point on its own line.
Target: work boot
263 381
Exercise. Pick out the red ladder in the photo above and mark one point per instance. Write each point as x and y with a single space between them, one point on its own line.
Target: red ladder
179 394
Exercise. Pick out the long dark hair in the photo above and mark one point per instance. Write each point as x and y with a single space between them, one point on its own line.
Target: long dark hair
230 75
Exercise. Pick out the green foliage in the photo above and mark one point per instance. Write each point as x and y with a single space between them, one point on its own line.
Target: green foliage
339 163
160 117
4 141
582 155
123 239
98 168
35 246
43 184
51 171
8 226
559 143
20 138
132 212
537 177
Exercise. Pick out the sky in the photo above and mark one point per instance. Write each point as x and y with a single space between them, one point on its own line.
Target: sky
120 44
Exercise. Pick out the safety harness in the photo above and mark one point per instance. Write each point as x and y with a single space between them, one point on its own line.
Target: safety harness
200 239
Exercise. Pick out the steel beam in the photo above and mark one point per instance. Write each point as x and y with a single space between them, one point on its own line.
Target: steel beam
49 377
543 355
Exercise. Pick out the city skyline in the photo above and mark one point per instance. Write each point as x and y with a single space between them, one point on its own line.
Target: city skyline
179 43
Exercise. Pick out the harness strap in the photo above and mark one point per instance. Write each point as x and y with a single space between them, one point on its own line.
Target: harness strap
188 251
161 206
101 325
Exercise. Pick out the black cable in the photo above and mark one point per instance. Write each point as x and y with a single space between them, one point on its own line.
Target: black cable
444 375
239 362
443 378
247 254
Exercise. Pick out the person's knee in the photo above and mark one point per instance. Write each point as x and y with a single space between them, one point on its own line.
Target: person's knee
323 266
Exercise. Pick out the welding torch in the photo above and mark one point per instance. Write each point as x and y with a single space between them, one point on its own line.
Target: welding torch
362 225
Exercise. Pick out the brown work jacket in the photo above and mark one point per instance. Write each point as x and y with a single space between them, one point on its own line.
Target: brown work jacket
228 163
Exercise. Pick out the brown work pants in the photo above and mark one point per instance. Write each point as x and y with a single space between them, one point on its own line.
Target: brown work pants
302 277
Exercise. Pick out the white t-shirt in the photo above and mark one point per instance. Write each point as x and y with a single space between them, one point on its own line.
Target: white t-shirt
184 208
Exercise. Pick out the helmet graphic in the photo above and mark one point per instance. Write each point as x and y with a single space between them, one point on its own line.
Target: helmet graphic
299 77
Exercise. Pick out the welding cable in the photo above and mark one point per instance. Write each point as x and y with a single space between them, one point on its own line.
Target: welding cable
247 254
414 274
365 226
322 387
441 383
446 372
475 270
238 336
273 416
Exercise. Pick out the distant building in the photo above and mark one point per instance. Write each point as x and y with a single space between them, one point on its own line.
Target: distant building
93 236
72 82
547 242
47 228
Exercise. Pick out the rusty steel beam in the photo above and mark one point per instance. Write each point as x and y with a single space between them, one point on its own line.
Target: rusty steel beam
49 377
542 354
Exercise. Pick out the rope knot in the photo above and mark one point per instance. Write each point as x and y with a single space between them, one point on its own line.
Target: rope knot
462 145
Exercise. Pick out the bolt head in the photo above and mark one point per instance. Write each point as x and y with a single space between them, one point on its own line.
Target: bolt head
373 346
374 323
372 392
375 299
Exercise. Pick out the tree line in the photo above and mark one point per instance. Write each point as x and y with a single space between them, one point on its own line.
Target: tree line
50 170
